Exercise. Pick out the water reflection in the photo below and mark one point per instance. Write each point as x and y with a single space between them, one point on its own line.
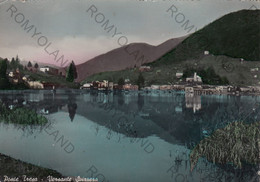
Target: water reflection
72 106
193 101
175 118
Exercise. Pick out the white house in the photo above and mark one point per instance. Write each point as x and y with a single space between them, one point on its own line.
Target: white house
87 85
179 75
45 69
155 87
254 69
206 52
195 78
35 84
11 74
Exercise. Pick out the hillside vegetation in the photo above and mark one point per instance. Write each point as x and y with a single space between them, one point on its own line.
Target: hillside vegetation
227 39
234 35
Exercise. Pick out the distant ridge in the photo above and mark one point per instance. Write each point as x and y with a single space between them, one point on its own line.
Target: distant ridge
128 56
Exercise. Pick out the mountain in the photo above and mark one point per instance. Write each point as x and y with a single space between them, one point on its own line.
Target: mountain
234 35
228 39
130 56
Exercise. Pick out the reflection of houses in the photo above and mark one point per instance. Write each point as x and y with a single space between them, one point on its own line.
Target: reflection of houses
189 90
195 78
193 101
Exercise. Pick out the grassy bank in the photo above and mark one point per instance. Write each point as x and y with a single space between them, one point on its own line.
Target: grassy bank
22 116
234 144
16 168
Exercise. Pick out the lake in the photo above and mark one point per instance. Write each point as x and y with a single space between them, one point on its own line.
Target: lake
125 137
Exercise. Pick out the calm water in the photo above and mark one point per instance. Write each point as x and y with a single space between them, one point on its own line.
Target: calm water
135 137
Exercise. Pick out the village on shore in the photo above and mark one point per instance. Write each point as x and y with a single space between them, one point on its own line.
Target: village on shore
191 85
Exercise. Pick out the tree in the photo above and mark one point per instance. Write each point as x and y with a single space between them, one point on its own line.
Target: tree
36 66
17 61
29 65
74 70
4 82
70 74
140 81
121 82
12 64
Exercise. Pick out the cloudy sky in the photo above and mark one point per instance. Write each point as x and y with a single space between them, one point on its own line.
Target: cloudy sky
74 29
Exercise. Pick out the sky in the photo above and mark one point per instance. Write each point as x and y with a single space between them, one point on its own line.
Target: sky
65 30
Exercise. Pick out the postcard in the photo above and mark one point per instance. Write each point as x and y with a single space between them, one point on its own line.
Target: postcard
129 91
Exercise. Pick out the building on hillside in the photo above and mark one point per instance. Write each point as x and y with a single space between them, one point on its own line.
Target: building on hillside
62 72
206 52
144 68
155 87
87 86
179 75
127 81
26 78
165 87
16 77
49 70
103 84
11 74
130 87
196 78
254 69
35 85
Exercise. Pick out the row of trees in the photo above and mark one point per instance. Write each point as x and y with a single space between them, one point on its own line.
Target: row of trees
29 65
15 63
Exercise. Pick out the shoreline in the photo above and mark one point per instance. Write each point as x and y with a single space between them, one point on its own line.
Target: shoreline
14 168
145 91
